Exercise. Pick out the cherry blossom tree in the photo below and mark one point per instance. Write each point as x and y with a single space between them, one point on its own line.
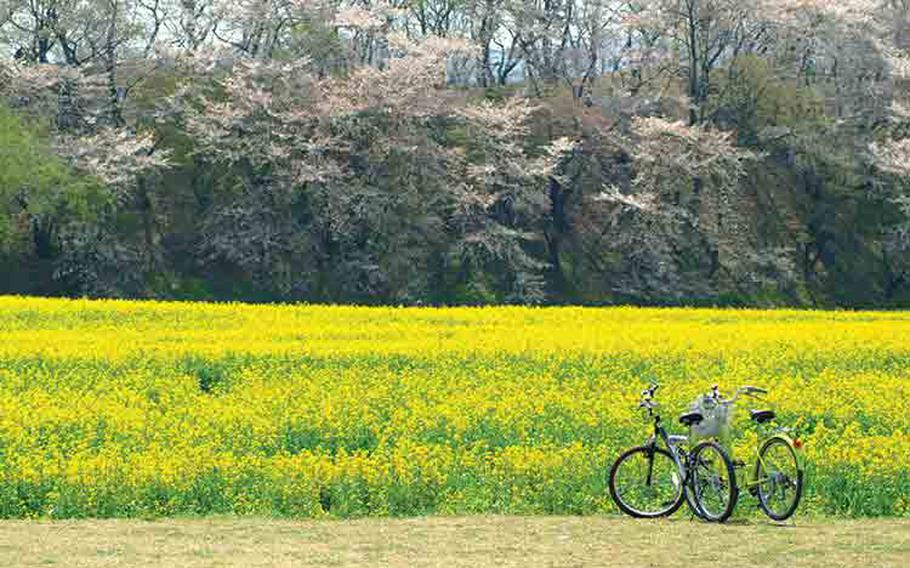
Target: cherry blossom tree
113 161
342 149
291 135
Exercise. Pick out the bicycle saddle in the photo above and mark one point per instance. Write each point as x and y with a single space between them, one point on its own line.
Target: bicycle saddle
691 418
762 416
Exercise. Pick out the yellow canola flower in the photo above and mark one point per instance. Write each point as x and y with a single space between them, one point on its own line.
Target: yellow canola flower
116 408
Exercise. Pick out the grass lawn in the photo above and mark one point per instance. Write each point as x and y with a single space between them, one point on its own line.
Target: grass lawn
450 541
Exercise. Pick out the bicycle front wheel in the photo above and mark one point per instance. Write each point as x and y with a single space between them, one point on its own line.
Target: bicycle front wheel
713 482
779 479
645 483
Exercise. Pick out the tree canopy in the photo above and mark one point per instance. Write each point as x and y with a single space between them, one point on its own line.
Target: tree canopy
457 151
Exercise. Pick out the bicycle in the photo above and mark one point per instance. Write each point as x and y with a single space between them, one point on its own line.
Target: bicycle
777 475
650 481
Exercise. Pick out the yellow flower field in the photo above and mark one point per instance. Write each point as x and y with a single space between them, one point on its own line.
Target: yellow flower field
137 408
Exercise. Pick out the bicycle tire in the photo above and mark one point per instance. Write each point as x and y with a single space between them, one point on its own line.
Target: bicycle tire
733 491
631 511
762 498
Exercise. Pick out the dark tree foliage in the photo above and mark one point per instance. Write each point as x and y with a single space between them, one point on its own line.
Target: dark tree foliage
457 152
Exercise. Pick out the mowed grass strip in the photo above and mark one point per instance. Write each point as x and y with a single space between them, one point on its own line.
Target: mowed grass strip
455 541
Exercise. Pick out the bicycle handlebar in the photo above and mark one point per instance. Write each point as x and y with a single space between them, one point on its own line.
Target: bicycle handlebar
647 398
747 390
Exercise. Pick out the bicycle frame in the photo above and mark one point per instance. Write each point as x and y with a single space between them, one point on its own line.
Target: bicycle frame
671 441
752 483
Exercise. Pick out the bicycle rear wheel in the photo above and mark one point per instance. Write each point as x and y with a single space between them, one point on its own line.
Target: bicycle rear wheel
713 482
645 483
779 479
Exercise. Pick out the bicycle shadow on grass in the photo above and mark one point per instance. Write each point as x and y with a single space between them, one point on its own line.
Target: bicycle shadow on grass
737 522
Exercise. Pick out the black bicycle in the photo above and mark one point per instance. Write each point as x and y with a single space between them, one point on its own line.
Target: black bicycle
651 481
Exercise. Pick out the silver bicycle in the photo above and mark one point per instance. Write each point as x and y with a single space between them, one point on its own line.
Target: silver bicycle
652 480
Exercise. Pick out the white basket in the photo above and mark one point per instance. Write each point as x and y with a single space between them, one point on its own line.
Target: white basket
717 417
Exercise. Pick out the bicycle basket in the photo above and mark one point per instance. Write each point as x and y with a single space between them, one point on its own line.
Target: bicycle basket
717 418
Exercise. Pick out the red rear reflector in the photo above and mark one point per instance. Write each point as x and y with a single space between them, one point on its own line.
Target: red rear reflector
797 443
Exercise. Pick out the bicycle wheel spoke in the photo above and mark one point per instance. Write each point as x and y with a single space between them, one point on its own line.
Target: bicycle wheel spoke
778 472
713 484
647 483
